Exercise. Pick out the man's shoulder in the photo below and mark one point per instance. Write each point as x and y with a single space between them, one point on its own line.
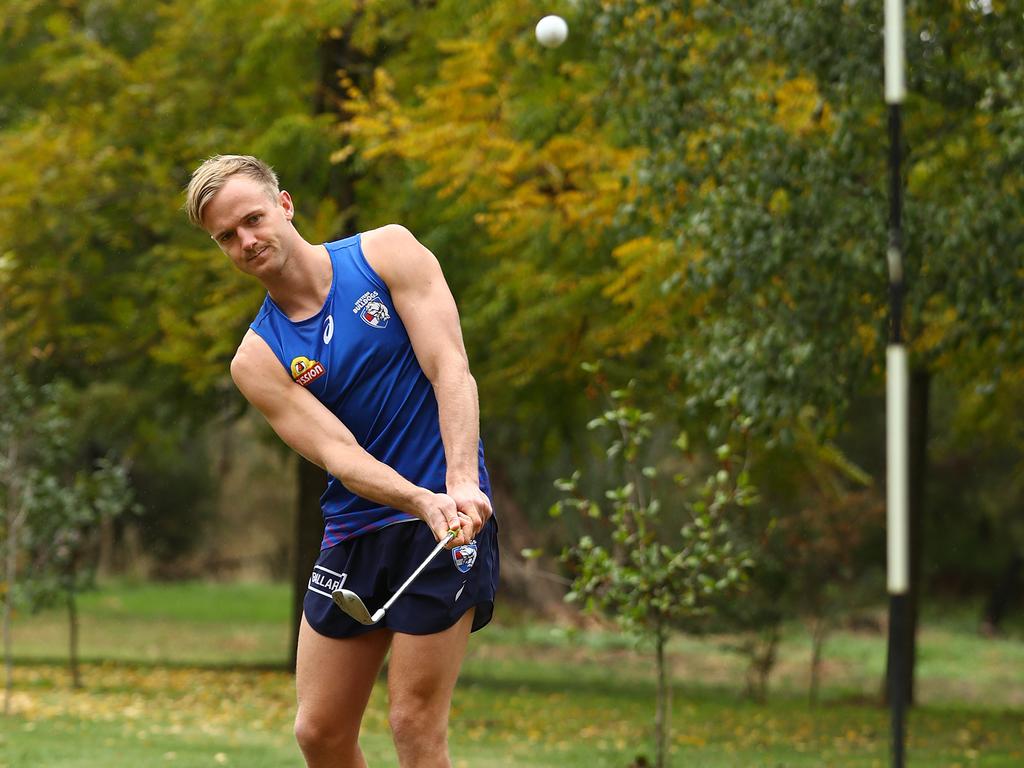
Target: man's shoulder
386 238
394 253
252 357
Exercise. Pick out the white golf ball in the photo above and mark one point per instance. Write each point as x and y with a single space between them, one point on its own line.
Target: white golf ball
552 31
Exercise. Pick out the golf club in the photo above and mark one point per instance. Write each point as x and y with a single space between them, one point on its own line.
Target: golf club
354 606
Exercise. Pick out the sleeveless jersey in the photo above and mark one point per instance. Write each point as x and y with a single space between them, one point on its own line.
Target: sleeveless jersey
355 356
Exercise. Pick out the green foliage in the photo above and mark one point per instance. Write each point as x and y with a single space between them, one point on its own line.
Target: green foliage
52 512
647 575
495 152
106 108
691 191
765 178
63 529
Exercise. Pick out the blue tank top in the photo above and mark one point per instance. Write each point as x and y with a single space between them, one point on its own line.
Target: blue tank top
355 356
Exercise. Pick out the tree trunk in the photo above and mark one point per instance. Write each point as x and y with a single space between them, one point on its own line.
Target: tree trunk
308 535
1004 594
11 560
12 522
763 653
336 54
662 709
525 581
818 632
76 674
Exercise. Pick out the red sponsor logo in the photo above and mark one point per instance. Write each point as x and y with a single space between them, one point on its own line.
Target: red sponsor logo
311 373
305 370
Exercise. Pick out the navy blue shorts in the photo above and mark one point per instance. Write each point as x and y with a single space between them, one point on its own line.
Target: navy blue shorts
376 564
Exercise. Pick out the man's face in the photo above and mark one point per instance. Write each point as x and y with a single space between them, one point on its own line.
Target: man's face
249 225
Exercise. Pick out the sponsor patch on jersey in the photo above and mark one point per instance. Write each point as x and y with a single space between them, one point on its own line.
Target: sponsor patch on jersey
305 370
372 310
464 556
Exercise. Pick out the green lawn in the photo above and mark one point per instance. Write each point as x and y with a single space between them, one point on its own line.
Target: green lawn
530 694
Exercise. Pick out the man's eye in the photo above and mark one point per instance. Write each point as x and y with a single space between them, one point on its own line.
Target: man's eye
225 237
254 219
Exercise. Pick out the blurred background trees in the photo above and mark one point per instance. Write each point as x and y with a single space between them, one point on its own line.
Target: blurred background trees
691 192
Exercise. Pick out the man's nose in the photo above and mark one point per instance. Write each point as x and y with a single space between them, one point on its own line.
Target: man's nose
248 239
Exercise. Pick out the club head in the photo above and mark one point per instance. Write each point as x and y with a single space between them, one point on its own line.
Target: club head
353 605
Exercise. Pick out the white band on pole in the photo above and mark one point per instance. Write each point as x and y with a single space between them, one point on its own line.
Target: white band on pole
898 455
895 88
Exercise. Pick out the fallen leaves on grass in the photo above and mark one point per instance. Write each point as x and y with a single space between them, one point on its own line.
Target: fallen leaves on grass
152 700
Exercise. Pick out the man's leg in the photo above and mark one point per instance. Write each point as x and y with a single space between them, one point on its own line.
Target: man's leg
421 679
333 681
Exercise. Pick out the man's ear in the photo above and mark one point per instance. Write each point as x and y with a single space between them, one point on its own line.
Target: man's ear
285 200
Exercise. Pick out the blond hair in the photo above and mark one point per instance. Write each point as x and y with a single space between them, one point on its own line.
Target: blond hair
209 177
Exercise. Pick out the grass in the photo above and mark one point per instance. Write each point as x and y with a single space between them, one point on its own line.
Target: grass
184 623
164 688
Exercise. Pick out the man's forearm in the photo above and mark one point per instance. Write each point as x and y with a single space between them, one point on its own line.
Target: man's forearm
371 479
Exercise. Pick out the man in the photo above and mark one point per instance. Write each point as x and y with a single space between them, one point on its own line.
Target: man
356 360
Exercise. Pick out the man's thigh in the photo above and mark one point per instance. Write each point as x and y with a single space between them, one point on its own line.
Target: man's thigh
423 669
334 677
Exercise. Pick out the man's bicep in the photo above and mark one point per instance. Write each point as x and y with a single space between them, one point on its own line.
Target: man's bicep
297 417
422 299
435 332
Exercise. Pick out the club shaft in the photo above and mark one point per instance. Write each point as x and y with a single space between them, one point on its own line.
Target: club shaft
431 556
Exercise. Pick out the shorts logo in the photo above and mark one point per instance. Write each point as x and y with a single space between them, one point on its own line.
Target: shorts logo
464 556
371 310
305 370
324 581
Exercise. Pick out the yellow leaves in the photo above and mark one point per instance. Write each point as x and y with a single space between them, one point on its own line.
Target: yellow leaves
152 702
779 203
471 136
793 103
866 337
696 147
376 119
799 107
647 286
940 319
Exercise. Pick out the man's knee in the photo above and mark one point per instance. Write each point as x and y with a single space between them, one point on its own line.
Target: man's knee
418 724
316 734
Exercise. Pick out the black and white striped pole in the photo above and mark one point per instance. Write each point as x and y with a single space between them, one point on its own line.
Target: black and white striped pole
897 454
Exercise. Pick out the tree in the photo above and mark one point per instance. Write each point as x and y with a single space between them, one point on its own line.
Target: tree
650 575
49 512
61 545
109 273
764 179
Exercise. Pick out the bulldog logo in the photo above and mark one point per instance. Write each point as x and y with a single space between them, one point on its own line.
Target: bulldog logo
375 314
464 556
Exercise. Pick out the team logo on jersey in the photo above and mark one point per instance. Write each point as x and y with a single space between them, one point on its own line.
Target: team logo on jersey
464 556
371 310
305 370
376 314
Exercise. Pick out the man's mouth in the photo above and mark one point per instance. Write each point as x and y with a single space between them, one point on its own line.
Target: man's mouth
257 254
